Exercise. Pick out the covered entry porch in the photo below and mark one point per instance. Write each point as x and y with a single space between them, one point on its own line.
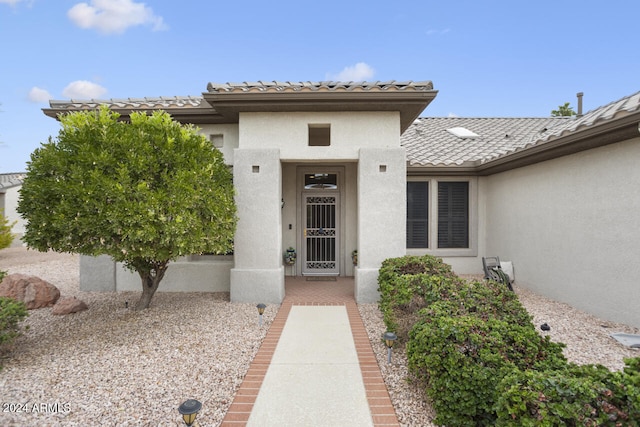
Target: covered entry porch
288 131
324 211
319 218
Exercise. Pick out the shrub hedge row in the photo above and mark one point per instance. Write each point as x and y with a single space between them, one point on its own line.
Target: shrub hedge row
588 395
12 312
481 360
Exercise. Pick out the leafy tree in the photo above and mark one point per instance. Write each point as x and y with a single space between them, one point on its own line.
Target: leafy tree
5 232
563 110
143 192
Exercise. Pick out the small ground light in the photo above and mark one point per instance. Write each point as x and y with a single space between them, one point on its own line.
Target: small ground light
189 411
261 308
389 338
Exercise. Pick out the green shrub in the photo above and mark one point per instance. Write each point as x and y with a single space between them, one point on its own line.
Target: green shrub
481 360
12 312
410 283
2 275
486 300
589 395
463 359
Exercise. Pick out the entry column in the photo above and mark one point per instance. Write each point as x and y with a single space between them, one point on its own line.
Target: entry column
258 274
381 215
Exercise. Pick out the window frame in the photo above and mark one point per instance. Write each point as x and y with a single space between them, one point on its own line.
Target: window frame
453 217
432 232
415 220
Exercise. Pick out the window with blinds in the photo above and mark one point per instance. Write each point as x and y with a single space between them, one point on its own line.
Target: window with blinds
453 215
418 214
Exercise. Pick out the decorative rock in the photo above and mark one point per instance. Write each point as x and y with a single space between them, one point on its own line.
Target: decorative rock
68 305
32 290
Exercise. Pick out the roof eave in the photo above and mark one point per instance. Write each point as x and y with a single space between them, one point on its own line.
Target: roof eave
595 136
441 170
183 115
409 104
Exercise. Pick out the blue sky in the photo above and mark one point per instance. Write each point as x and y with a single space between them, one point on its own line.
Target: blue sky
486 58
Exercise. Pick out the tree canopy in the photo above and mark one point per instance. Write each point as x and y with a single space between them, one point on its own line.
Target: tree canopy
563 110
143 191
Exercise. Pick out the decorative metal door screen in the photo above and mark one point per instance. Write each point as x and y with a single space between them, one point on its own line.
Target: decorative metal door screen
321 234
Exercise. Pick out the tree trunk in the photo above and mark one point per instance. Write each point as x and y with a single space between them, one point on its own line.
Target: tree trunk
150 282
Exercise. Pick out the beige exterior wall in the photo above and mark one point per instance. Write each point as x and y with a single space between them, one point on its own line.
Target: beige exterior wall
258 275
381 215
362 144
570 226
9 204
226 134
350 131
188 274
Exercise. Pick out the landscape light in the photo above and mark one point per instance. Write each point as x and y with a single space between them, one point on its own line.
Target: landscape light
189 411
261 308
389 338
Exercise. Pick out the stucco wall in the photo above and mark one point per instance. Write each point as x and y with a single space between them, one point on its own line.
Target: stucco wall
205 273
289 132
381 215
229 133
570 226
9 205
258 274
263 227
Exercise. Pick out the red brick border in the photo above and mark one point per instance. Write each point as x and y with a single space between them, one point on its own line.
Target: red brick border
240 409
382 411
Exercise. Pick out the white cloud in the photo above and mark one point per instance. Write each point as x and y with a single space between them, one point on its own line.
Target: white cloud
38 95
82 89
453 115
114 16
10 2
359 72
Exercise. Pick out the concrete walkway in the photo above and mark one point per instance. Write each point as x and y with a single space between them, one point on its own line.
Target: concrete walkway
314 376
315 367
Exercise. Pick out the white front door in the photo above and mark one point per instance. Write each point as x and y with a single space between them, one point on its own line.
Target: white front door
321 216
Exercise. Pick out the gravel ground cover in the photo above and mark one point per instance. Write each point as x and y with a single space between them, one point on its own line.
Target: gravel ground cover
113 366
110 365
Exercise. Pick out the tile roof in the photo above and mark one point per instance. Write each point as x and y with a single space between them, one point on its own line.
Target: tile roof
261 86
135 103
222 103
428 143
609 112
322 86
8 180
427 140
